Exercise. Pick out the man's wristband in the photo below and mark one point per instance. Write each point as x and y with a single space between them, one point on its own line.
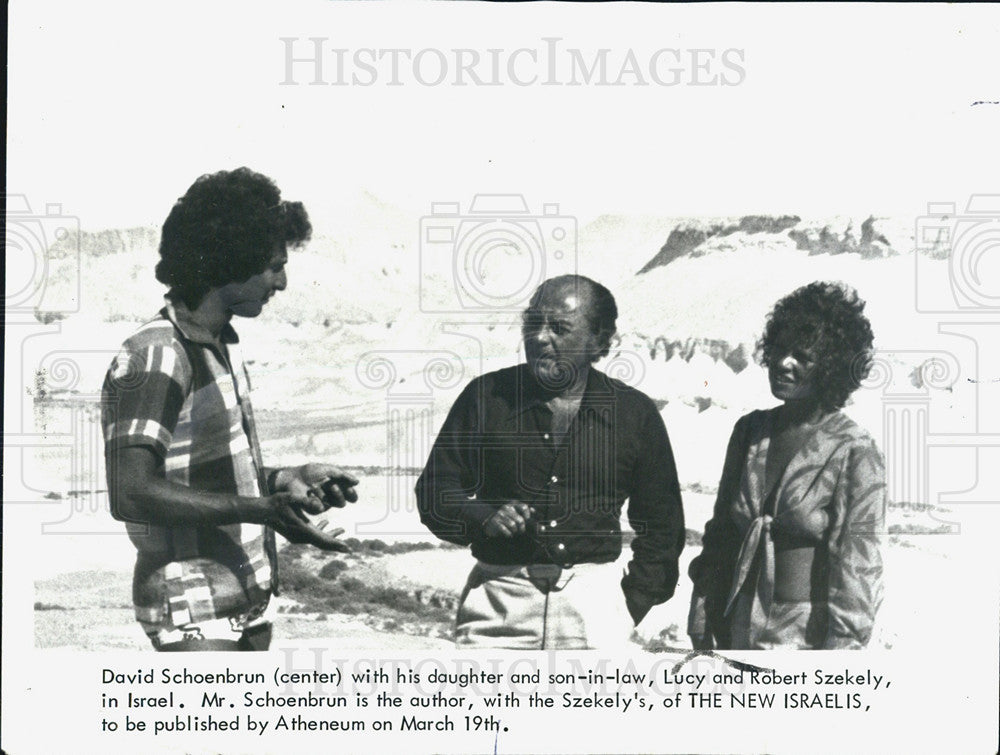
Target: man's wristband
272 480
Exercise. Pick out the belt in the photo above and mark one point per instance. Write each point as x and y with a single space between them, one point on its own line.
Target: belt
545 577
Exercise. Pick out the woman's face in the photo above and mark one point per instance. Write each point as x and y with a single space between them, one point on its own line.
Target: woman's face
791 373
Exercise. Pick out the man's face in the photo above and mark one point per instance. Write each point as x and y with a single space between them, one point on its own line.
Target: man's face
248 298
558 341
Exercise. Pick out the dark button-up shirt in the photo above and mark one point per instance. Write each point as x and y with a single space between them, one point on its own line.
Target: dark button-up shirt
497 446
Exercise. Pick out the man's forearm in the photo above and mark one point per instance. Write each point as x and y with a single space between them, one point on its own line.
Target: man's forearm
447 511
652 578
653 570
161 502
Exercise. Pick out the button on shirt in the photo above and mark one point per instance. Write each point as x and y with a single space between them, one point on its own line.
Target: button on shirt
185 395
495 447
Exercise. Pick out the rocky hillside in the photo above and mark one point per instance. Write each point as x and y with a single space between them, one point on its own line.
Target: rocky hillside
91 244
359 299
868 238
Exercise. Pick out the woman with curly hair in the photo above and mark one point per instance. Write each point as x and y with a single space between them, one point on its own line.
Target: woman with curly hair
791 554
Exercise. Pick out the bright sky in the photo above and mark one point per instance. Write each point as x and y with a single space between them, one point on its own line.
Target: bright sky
116 107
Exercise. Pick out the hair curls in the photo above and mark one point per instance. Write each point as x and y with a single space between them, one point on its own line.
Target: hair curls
827 319
224 230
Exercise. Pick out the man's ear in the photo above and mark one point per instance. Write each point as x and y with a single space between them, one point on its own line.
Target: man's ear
604 339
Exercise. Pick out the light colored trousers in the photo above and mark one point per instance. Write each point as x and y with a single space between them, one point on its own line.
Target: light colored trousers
542 607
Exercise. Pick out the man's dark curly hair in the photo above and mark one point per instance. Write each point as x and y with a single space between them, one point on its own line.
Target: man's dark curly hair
223 230
828 320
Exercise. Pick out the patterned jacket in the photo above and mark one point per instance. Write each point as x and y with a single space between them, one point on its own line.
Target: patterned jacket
826 515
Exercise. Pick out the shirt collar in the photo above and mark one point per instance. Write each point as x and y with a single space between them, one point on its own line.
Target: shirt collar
182 318
598 392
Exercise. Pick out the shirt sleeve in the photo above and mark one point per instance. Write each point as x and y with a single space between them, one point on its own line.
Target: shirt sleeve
712 570
142 397
451 476
657 517
855 558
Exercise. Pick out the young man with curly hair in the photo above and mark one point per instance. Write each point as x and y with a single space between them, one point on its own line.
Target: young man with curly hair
184 465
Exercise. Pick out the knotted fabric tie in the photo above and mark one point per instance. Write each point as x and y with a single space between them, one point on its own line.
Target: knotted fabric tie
757 540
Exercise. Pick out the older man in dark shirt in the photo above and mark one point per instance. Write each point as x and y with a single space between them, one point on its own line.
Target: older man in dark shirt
532 467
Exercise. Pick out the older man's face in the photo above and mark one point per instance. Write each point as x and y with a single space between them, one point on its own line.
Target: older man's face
558 341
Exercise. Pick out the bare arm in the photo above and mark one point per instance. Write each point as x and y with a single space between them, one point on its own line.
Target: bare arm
140 492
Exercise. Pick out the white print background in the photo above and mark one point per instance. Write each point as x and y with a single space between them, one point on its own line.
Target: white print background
115 108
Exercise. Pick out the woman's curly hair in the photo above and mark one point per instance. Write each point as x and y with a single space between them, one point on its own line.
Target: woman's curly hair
828 320
224 230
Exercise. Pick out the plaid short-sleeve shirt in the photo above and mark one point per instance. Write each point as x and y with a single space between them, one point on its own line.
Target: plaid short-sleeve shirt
178 391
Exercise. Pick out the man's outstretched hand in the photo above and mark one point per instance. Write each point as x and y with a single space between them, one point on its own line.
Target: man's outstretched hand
310 489
329 485
287 516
